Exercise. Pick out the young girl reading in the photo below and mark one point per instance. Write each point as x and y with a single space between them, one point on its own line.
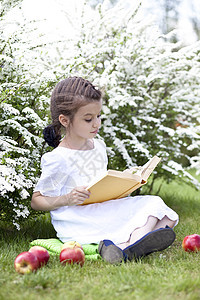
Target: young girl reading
127 228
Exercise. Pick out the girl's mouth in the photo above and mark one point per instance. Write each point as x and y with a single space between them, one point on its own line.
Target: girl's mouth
95 131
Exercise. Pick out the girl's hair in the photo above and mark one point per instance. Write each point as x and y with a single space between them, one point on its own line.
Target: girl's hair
67 97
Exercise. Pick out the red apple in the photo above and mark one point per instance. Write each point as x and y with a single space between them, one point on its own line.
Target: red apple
191 243
26 262
41 253
71 244
72 256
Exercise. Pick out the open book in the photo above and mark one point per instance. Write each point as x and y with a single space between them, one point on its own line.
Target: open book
118 184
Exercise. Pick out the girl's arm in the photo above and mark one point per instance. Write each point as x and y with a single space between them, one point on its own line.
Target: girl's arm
45 203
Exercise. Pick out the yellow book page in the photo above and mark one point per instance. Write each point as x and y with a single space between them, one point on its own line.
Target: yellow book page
116 184
108 188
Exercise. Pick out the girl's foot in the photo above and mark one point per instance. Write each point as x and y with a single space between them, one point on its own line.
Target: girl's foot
110 252
156 240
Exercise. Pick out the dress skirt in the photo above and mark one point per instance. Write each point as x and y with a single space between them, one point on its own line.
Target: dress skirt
114 220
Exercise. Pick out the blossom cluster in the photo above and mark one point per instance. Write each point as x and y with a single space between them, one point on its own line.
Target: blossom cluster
151 85
151 97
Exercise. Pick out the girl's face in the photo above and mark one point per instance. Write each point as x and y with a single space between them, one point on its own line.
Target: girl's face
86 121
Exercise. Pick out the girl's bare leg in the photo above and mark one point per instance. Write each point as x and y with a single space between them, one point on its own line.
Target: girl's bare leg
138 233
165 222
151 224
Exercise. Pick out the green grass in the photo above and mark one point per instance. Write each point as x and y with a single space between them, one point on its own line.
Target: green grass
170 274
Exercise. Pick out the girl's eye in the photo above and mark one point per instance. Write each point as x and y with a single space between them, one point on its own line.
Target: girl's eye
90 120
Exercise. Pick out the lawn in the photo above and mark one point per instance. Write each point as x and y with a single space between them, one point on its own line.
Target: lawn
170 274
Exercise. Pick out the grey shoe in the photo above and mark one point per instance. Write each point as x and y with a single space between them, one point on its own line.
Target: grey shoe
110 252
156 240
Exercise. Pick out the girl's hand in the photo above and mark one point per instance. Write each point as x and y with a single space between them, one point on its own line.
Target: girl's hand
78 195
45 203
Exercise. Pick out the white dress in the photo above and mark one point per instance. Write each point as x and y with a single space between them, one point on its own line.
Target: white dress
63 169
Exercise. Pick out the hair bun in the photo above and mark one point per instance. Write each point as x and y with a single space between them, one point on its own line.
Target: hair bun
50 136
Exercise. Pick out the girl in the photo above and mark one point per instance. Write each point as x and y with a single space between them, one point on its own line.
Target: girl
127 228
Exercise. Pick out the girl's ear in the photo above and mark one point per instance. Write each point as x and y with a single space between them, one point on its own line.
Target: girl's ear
64 120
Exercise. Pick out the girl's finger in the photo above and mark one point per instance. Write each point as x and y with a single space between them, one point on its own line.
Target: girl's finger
83 191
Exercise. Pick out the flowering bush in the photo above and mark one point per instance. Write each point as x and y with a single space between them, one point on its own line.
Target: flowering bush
21 147
23 115
150 101
151 93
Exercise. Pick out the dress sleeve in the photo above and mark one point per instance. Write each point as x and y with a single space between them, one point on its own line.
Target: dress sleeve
53 175
102 147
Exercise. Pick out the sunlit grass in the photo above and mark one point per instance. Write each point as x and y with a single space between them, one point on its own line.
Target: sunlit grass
170 274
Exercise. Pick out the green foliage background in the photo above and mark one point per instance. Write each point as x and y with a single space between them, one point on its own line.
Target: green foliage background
151 99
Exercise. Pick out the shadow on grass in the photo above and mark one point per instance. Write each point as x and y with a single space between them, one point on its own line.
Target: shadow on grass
40 227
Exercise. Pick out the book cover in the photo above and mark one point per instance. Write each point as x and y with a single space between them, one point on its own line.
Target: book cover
118 184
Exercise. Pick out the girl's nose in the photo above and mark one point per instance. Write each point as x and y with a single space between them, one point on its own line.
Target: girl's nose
96 122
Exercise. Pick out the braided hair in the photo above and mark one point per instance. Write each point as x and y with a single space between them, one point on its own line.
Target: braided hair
67 97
